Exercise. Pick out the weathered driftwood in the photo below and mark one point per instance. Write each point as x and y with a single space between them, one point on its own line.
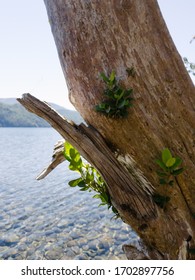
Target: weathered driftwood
94 149
57 158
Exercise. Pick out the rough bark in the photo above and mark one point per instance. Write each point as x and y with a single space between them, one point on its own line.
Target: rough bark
101 36
96 36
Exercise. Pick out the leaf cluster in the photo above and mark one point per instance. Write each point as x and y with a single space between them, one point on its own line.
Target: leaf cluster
89 178
117 99
170 167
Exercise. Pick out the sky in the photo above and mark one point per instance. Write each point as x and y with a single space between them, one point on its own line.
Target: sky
28 56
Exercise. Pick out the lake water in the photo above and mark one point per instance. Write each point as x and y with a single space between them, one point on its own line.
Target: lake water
47 219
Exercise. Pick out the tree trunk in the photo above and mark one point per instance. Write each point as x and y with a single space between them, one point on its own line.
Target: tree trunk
100 36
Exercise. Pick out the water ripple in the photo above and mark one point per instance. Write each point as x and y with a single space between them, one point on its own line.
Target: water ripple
47 219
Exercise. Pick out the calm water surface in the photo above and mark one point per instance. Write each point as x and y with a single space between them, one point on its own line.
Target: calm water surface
47 219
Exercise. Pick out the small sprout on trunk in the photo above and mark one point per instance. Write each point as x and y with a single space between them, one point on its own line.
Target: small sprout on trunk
170 167
117 99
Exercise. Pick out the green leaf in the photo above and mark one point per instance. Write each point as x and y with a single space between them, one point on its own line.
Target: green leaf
170 162
75 182
112 77
161 164
68 150
67 157
104 197
96 196
122 103
82 184
100 107
72 153
108 109
166 155
178 162
128 92
128 103
120 95
114 210
89 177
97 108
77 158
162 181
73 166
84 189
102 204
104 77
161 174
67 147
177 171
109 93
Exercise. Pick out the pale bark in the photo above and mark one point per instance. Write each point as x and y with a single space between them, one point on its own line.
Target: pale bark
101 36
95 36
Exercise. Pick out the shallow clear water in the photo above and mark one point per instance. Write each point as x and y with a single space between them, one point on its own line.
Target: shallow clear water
47 219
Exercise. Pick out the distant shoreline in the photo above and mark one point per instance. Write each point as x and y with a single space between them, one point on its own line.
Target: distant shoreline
13 114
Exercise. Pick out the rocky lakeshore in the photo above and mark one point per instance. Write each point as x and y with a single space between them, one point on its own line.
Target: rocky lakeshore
48 219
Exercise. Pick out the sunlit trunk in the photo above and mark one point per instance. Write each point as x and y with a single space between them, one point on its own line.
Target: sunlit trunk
101 36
